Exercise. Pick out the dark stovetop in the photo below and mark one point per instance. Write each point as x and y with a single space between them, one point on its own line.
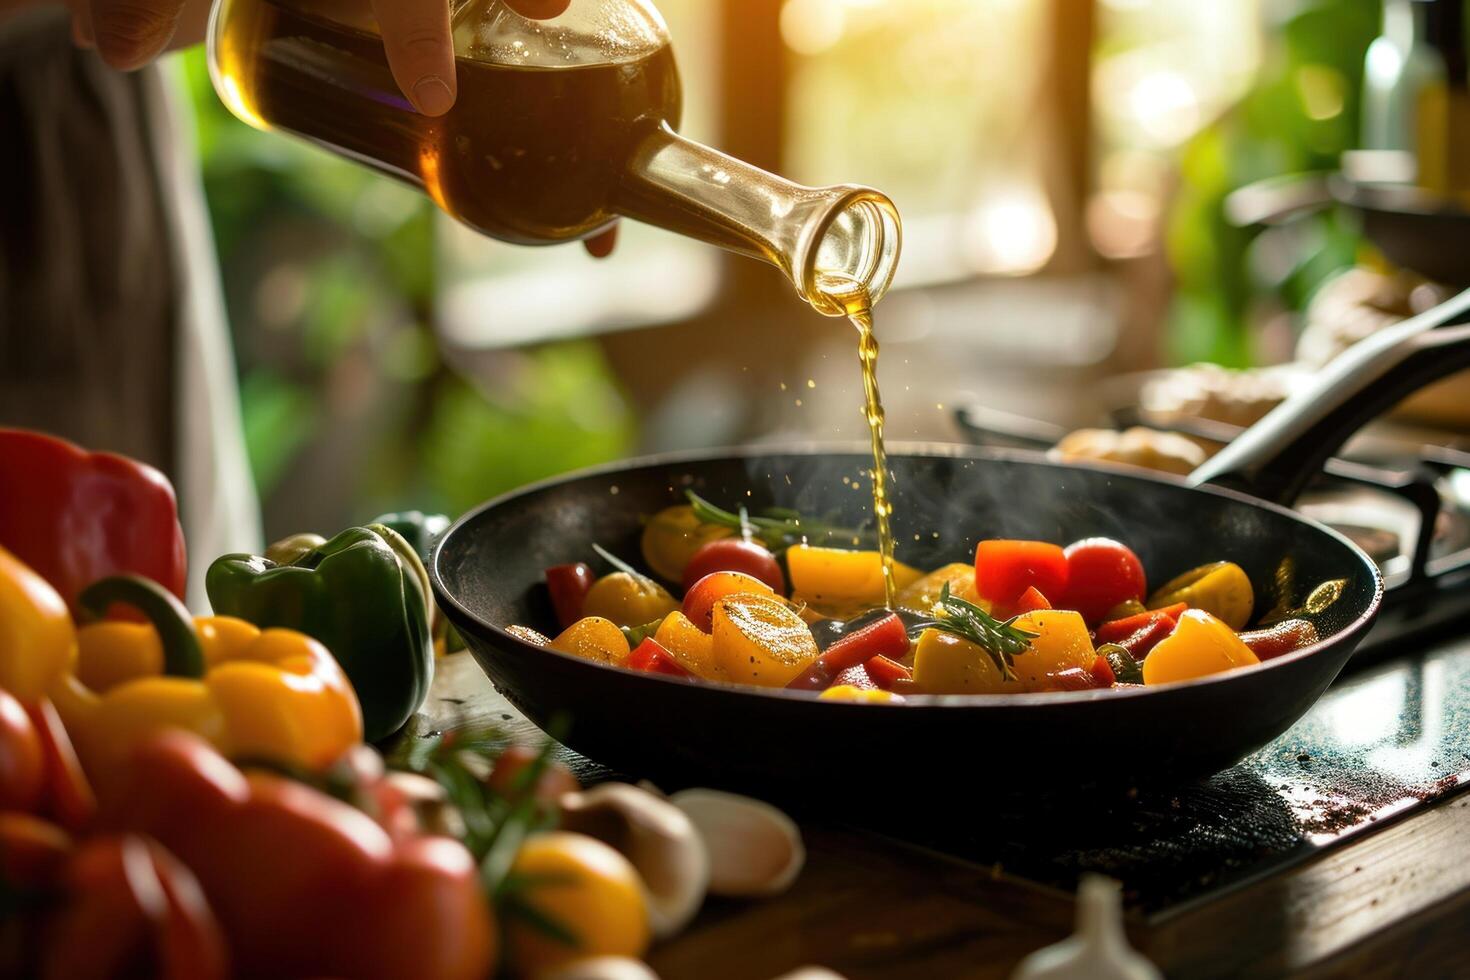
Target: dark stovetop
1383 742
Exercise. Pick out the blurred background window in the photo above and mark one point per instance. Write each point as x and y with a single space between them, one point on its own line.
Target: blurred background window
1061 166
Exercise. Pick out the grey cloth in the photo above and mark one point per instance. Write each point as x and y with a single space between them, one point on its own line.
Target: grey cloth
88 317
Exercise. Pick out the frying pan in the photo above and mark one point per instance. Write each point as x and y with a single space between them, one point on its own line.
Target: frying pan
487 572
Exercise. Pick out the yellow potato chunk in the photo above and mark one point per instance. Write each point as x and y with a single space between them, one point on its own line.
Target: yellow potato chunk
946 664
1199 646
837 576
628 600
921 594
759 640
594 638
692 647
1061 642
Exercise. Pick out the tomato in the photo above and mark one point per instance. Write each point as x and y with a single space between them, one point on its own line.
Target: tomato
1101 574
735 555
588 890
22 761
1004 570
699 601
569 585
628 600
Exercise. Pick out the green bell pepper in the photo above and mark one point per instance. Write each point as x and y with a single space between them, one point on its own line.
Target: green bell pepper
422 531
363 594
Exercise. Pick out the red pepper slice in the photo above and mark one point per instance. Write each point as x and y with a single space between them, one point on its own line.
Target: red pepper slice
1143 640
1102 672
1115 630
1031 600
1282 638
1072 679
1004 570
884 672
886 637
569 585
855 677
654 659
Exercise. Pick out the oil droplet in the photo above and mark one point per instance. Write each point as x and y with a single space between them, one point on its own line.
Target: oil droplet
798 403
811 382
613 490
783 386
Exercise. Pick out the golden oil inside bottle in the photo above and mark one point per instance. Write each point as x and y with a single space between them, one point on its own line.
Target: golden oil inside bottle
527 155
853 297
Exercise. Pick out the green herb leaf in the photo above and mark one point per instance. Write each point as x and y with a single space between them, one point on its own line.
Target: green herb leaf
778 528
618 564
961 618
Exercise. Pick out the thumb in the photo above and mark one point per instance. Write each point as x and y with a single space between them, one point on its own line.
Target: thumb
131 33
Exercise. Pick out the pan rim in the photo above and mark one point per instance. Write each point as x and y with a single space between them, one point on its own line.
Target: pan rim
916 449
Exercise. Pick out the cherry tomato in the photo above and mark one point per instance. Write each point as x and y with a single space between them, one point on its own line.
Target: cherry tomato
1004 570
735 555
569 585
699 601
1101 573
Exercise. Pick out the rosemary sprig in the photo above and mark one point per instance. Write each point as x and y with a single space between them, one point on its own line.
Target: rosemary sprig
777 528
1000 640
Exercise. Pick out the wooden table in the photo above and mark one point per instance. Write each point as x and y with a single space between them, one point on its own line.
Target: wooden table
1395 902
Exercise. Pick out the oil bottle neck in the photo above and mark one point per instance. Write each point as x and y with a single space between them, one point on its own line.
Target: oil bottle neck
806 232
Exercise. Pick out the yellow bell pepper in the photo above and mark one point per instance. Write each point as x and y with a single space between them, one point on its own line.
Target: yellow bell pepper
690 646
276 694
1061 642
1222 589
1199 646
37 638
847 692
948 664
920 595
836 576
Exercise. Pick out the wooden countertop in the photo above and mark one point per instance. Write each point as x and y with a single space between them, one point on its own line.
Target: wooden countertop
1393 902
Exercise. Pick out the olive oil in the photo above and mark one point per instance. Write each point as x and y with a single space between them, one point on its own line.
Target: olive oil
853 297
527 155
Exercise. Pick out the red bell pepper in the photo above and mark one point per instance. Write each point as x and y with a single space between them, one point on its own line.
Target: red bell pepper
1071 679
1031 600
885 673
1102 672
654 659
76 517
569 585
126 902
857 677
305 885
1282 638
1004 570
887 637
1115 630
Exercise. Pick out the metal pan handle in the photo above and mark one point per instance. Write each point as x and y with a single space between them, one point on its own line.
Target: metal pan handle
1275 458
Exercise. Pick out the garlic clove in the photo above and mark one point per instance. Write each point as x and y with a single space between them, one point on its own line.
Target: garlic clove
602 968
754 848
656 837
1099 949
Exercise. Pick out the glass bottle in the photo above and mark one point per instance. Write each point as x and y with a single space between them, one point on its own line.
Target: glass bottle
560 127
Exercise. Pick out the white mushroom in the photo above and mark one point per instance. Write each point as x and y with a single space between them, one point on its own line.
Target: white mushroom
602 968
754 848
656 837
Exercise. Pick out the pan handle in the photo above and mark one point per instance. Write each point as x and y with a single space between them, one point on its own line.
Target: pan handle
1275 458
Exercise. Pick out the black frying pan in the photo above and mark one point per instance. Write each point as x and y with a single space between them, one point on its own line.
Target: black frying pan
487 573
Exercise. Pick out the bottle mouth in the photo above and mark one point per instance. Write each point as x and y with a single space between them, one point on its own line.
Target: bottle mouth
857 240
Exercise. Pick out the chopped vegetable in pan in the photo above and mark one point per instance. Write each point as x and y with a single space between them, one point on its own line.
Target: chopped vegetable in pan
776 600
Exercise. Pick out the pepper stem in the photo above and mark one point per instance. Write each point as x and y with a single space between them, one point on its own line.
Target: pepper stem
182 654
